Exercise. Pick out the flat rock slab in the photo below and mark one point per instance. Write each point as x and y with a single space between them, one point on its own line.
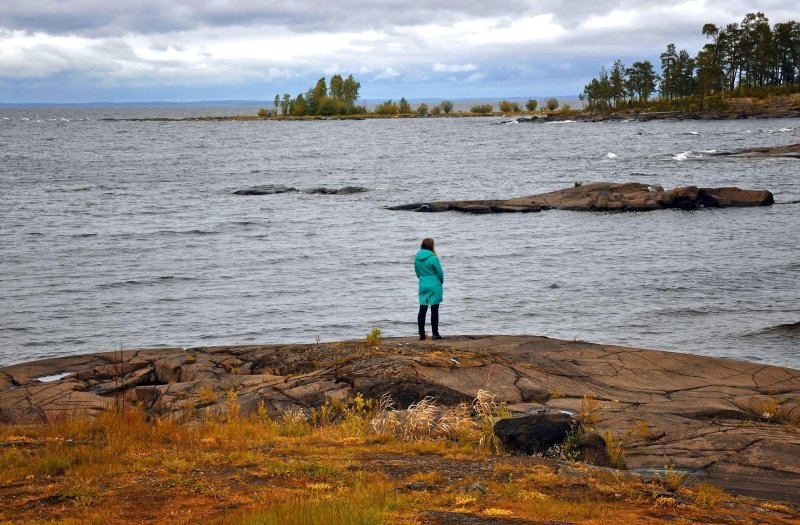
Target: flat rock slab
273 189
790 151
732 423
607 196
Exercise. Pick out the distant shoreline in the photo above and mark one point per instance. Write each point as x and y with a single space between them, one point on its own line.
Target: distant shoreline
639 116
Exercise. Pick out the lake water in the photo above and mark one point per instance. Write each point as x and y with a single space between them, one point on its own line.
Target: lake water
128 234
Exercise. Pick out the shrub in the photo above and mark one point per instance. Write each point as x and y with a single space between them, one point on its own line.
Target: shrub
446 106
374 337
531 104
481 109
422 109
436 110
552 104
508 107
387 108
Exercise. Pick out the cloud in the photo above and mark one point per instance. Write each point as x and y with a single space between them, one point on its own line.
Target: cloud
413 45
454 68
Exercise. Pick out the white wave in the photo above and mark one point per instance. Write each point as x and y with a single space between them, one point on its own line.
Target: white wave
686 155
562 122
610 155
779 130
692 133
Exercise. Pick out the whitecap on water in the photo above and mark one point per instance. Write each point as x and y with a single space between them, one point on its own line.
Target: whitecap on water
610 155
562 122
686 155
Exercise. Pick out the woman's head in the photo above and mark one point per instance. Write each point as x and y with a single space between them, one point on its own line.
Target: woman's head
427 244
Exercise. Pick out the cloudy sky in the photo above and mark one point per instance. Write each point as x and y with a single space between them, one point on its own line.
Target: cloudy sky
185 50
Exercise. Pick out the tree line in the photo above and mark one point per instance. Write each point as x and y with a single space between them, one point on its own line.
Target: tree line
338 97
739 58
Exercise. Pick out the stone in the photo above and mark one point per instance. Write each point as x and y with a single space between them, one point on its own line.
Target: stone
534 433
265 189
790 151
592 449
606 197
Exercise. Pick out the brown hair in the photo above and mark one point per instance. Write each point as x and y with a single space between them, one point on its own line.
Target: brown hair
427 244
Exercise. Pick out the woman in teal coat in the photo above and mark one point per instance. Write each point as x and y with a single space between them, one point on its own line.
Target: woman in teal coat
431 277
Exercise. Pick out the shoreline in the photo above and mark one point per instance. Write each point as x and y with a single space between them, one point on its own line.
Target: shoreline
622 116
727 422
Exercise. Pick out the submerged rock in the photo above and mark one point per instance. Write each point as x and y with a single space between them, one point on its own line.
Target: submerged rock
607 196
272 189
346 190
266 189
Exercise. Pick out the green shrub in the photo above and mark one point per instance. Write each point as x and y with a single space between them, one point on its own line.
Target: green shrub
374 337
552 104
531 104
446 106
481 109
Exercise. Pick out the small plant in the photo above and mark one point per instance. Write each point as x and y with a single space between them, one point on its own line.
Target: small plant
206 395
672 479
374 337
531 105
446 106
232 407
552 104
578 183
614 449
708 495
191 359
556 393
588 413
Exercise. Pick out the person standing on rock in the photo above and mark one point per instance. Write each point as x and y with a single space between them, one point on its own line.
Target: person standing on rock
431 277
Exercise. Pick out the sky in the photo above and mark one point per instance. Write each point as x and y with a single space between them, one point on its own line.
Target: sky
74 51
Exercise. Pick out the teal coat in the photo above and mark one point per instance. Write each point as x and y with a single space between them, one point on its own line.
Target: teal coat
430 274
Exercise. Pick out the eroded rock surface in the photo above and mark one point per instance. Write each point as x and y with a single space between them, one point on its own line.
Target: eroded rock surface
607 196
732 423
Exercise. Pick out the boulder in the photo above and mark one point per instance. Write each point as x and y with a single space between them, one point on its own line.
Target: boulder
592 449
534 433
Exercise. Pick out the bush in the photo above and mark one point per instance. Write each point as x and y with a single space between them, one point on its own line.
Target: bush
566 108
404 108
531 104
481 108
552 104
446 106
374 337
436 110
264 113
509 107
387 108
422 109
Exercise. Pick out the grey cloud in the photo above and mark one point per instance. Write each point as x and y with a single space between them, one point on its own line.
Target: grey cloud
100 17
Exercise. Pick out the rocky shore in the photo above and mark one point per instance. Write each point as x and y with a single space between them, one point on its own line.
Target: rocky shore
607 196
731 423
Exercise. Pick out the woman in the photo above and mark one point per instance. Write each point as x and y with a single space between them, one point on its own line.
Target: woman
431 278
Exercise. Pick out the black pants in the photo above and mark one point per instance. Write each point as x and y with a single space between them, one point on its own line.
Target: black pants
423 311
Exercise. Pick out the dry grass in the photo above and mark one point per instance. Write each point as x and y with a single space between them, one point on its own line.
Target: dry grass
355 461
